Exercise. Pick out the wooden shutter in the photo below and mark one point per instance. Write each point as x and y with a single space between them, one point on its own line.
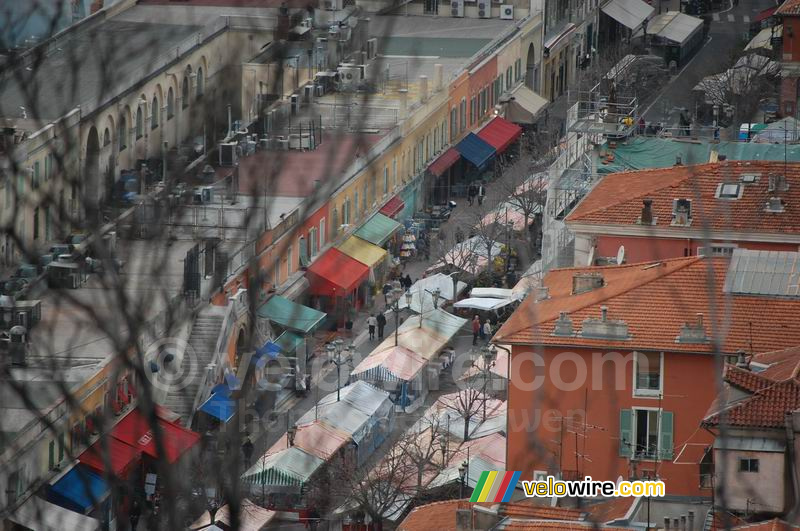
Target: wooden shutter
626 433
665 438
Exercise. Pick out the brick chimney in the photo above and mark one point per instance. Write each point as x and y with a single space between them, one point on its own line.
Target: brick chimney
584 282
741 360
647 212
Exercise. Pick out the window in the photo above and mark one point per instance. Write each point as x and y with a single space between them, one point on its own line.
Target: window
645 434
51 455
313 241
170 104
355 205
648 373
346 212
289 260
61 447
473 110
200 82
394 172
334 223
276 272
322 233
139 122
729 191
47 224
453 122
463 114
385 180
106 137
154 113
36 173
509 80
185 93
748 465
36 223
122 133
725 250
364 197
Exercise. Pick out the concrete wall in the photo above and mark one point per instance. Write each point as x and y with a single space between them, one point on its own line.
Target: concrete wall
762 491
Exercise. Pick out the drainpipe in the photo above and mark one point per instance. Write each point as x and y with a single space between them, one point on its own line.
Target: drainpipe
793 511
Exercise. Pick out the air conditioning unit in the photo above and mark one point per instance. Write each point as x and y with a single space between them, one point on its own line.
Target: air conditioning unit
372 48
349 74
308 93
282 144
294 102
227 154
333 5
456 8
507 12
484 9
319 90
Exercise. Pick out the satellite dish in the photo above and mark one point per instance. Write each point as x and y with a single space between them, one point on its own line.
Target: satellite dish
620 479
590 261
621 255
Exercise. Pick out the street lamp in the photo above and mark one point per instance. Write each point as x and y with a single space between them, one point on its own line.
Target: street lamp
335 349
489 355
290 434
462 477
395 307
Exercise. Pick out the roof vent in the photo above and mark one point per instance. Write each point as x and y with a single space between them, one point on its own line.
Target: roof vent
774 204
563 325
542 293
647 212
604 328
729 191
777 183
585 282
693 332
741 360
682 212
749 178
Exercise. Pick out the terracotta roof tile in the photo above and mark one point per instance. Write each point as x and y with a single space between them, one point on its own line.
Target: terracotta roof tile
789 7
617 199
767 408
529 510
531 525
610 510
440 516
781 364
724 520
680 288
745 379
775 524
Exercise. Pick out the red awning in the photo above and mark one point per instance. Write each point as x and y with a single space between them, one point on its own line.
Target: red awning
136 431
335 273
445 160
122 456
500 133
765 14
392 207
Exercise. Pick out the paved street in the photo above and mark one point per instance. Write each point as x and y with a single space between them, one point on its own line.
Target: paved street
728 30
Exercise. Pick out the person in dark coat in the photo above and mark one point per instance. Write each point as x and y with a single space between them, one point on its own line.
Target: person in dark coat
134 514
386 289
472 191
247 449
381 324
407 282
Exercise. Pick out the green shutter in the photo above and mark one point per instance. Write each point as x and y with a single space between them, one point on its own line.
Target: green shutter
625 433
60 447
665 436
52 455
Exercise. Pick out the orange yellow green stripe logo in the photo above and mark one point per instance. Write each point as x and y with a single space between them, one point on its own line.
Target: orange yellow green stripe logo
494 486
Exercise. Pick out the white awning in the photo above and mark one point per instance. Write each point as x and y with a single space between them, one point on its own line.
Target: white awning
483 303
674 26
629 13
764 38
523 105
42 515
492 293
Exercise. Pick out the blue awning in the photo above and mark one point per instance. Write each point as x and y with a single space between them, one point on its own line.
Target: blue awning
285 344
475 150
220 405
79 490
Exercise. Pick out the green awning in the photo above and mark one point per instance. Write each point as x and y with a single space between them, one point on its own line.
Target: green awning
378 229
290 315
289 341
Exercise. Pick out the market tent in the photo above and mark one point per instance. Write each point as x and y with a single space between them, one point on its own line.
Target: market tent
470 256
220 405
318 438
483 303
39 514
496 293
763 39
135 430
394 363
629 13
444 161
392 207
423 288
251 517
121 456
336 274
476 150
291 467
530 280
378 229
290 315
79 490
427 334
359 395
522 105
508 212
674 26
500 133
783 131
363 251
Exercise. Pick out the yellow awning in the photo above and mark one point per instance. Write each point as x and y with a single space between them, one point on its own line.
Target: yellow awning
363 251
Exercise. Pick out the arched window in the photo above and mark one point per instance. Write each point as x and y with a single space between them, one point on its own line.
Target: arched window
185 93
139 122
122 135
106 137
170 104
200 87
154 110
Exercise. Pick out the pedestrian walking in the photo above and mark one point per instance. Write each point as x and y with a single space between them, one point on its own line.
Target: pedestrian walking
481 193
387 288
408 282
372 322
472 191
381 324
134 514
481 330
487 330
476 329
247 450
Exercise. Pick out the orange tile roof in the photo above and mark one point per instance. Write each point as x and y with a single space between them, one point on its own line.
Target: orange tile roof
439 515
531 525
617 199
782 364
523 509
789 7
679 288
747 380
767 408
776 524
724 520
610 510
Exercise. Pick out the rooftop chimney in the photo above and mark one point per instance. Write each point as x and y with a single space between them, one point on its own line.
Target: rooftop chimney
722 158
585 282
563 325
403 112
693 332
678 160
777 183
438 76
647 212
604 313
683 522
666 522
423 88
690 523
676 523
741 360
542 293
604 327
774 204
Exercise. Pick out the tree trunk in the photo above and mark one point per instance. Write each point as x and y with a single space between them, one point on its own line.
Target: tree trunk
466 427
